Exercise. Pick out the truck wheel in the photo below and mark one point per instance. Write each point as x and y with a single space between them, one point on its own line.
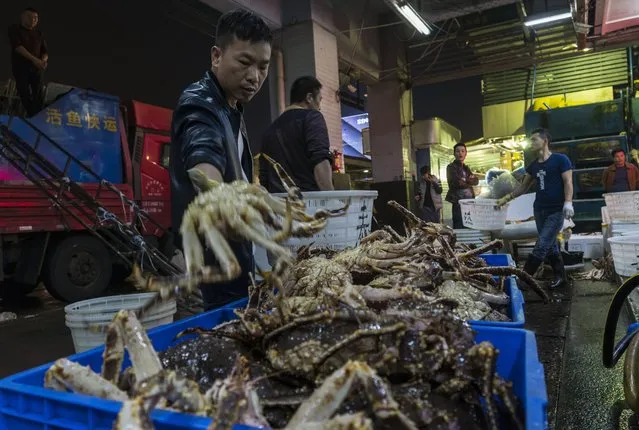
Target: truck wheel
10 290
79 268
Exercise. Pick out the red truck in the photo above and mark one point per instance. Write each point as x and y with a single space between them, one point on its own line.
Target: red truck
61 222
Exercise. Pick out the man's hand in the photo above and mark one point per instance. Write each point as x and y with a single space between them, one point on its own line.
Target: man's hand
502 202
39 64
417 198
569 210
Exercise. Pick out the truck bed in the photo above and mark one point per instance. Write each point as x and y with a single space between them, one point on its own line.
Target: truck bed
25 208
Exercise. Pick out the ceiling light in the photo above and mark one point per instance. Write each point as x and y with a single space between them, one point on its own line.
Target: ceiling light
532 21
407 11
365 171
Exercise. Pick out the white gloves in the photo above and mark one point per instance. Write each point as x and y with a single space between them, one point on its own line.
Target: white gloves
569 210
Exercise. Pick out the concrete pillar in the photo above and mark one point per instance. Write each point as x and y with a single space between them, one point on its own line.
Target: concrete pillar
309 47
389 115
390 110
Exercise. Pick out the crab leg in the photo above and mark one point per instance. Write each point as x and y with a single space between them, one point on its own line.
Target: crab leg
505 271
113 355
134 415
65 374
357 421
495 244
200 181
144 359
327 399
193 252
220 247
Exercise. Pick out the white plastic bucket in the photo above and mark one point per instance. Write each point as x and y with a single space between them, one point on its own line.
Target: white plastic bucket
481 214
342 231
625 254
623 206
89 319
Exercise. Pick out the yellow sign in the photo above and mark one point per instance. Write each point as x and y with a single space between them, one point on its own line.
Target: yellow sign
74 119
54 116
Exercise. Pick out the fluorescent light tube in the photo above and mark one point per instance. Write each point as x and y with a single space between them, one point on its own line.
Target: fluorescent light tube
547 19
413 18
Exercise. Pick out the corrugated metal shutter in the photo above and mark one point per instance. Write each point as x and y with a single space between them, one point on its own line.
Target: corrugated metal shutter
584 72
482 158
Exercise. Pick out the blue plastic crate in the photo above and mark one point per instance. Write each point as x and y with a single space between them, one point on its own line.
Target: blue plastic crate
515 308
499 260
26 404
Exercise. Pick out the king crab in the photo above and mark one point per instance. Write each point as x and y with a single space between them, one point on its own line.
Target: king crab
238 211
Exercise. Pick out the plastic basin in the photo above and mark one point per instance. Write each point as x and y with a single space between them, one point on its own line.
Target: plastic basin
82 317
481 214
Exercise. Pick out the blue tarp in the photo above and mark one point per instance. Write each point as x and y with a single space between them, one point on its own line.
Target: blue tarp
84 123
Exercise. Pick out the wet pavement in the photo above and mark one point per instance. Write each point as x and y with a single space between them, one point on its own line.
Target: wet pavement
39 334
582 393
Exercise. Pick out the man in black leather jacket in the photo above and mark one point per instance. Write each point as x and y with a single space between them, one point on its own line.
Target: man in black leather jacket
208 130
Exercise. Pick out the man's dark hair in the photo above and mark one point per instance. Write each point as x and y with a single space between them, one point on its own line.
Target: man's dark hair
424 170
304 85
614 152
463 145
543 133
30 9
241 24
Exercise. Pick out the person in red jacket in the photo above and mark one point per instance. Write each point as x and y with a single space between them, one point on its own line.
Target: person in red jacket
620 176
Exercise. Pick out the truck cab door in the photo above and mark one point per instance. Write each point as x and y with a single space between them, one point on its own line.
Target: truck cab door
155 185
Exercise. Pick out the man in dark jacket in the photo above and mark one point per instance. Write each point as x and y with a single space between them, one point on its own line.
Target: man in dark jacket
208 130
29 58
460 183
298 140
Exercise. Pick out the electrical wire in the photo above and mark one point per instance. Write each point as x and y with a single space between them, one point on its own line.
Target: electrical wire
429 49
373 27
359 36
441 47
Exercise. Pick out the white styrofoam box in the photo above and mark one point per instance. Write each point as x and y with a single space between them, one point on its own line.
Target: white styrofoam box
625 254
591 245
606 233
521 208
605 215
519 231
342 231
481 214
472 237
623 228
524 249
623 206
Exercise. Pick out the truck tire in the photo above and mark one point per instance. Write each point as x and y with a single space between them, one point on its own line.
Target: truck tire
78 268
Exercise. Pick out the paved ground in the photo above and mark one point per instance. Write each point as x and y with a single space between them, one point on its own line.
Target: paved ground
39 334
582 393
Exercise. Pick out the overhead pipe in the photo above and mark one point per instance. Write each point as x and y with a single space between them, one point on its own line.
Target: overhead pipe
581 24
